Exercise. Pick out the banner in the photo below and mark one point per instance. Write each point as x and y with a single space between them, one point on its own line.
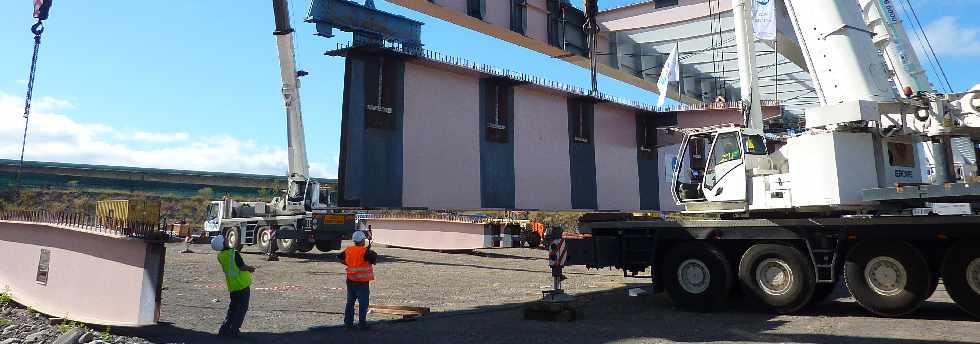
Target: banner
670 72
764 19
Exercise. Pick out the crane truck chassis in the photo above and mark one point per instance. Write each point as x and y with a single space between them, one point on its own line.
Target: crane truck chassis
890 264
251 223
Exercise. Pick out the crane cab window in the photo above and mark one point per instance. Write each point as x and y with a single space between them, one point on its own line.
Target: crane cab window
754 145
690 172
212 212
901 154
726 148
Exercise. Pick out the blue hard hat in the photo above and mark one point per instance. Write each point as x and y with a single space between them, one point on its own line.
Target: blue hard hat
359 236
218 243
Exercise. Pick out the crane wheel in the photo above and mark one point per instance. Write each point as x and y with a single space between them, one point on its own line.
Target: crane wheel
961 275
698 276
304 247
288 246
887 278
265 235
233 239
779 276
822 292
328 245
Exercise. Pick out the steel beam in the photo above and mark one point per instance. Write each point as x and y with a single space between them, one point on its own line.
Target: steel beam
351 17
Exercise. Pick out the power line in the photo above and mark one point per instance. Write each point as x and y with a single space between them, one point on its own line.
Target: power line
929 44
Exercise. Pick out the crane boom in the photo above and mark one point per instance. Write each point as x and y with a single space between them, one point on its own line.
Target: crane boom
748 75
891 38
299 168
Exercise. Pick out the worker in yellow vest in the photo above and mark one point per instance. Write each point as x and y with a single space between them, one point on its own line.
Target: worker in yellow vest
359 260
238 277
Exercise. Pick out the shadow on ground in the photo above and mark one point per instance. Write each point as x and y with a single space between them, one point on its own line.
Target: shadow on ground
609 316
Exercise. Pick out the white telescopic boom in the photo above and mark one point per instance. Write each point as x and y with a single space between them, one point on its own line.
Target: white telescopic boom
842 58
748 75
299 168
890 36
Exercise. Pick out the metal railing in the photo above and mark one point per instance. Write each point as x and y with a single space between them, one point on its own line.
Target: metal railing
144 230
423 53
409 215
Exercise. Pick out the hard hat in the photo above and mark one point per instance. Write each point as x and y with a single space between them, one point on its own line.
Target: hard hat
359 236
218 243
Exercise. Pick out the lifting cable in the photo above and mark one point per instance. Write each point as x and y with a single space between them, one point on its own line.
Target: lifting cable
41 8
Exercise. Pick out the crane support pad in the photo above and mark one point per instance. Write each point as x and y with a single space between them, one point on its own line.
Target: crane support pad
352 17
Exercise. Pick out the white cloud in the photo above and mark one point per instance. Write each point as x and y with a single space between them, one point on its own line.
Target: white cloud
949 38
53 136
159 137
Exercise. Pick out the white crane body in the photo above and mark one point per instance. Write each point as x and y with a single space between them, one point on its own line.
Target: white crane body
861 137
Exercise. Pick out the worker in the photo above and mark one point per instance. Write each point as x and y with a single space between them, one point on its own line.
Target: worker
238 277
359 260
731 153
271 254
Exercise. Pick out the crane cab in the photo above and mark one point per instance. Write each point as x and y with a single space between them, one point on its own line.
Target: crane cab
717 170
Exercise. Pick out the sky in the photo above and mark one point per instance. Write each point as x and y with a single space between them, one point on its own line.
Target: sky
189 84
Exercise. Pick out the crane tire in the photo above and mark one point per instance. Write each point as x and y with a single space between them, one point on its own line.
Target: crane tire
698 276
780 277
961 275
887 278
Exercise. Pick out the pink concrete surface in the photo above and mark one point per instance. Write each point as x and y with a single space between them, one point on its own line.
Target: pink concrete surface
455 5
537 20
644 15
617 176
92 278
498 13
541 158
428 234
441 144
699 118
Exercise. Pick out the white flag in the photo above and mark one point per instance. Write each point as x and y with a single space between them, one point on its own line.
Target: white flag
764 19
669 73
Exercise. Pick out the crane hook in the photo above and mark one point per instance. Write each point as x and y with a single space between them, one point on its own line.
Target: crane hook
38 28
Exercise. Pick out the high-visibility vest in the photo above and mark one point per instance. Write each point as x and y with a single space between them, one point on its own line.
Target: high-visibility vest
358 269
234 277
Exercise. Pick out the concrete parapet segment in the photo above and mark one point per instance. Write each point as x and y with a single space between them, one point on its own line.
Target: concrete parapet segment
95 277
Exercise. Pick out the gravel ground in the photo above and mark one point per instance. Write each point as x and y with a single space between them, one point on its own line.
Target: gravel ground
20 325
477 297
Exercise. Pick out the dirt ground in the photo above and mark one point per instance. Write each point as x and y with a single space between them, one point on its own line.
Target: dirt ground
477 298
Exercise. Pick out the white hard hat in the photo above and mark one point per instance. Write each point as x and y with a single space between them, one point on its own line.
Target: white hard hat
218 243
359 236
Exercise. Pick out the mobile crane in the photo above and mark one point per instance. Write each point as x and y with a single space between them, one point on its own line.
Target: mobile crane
793 215
297 219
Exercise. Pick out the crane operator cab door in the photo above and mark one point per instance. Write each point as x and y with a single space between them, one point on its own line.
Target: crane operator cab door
724 172
711 174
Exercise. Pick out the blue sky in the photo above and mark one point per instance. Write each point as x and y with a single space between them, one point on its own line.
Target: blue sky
194 84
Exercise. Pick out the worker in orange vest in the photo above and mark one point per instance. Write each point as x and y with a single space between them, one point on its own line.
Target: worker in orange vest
359 260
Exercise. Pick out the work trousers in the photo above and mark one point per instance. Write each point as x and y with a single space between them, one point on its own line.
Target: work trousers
236 313
361 292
